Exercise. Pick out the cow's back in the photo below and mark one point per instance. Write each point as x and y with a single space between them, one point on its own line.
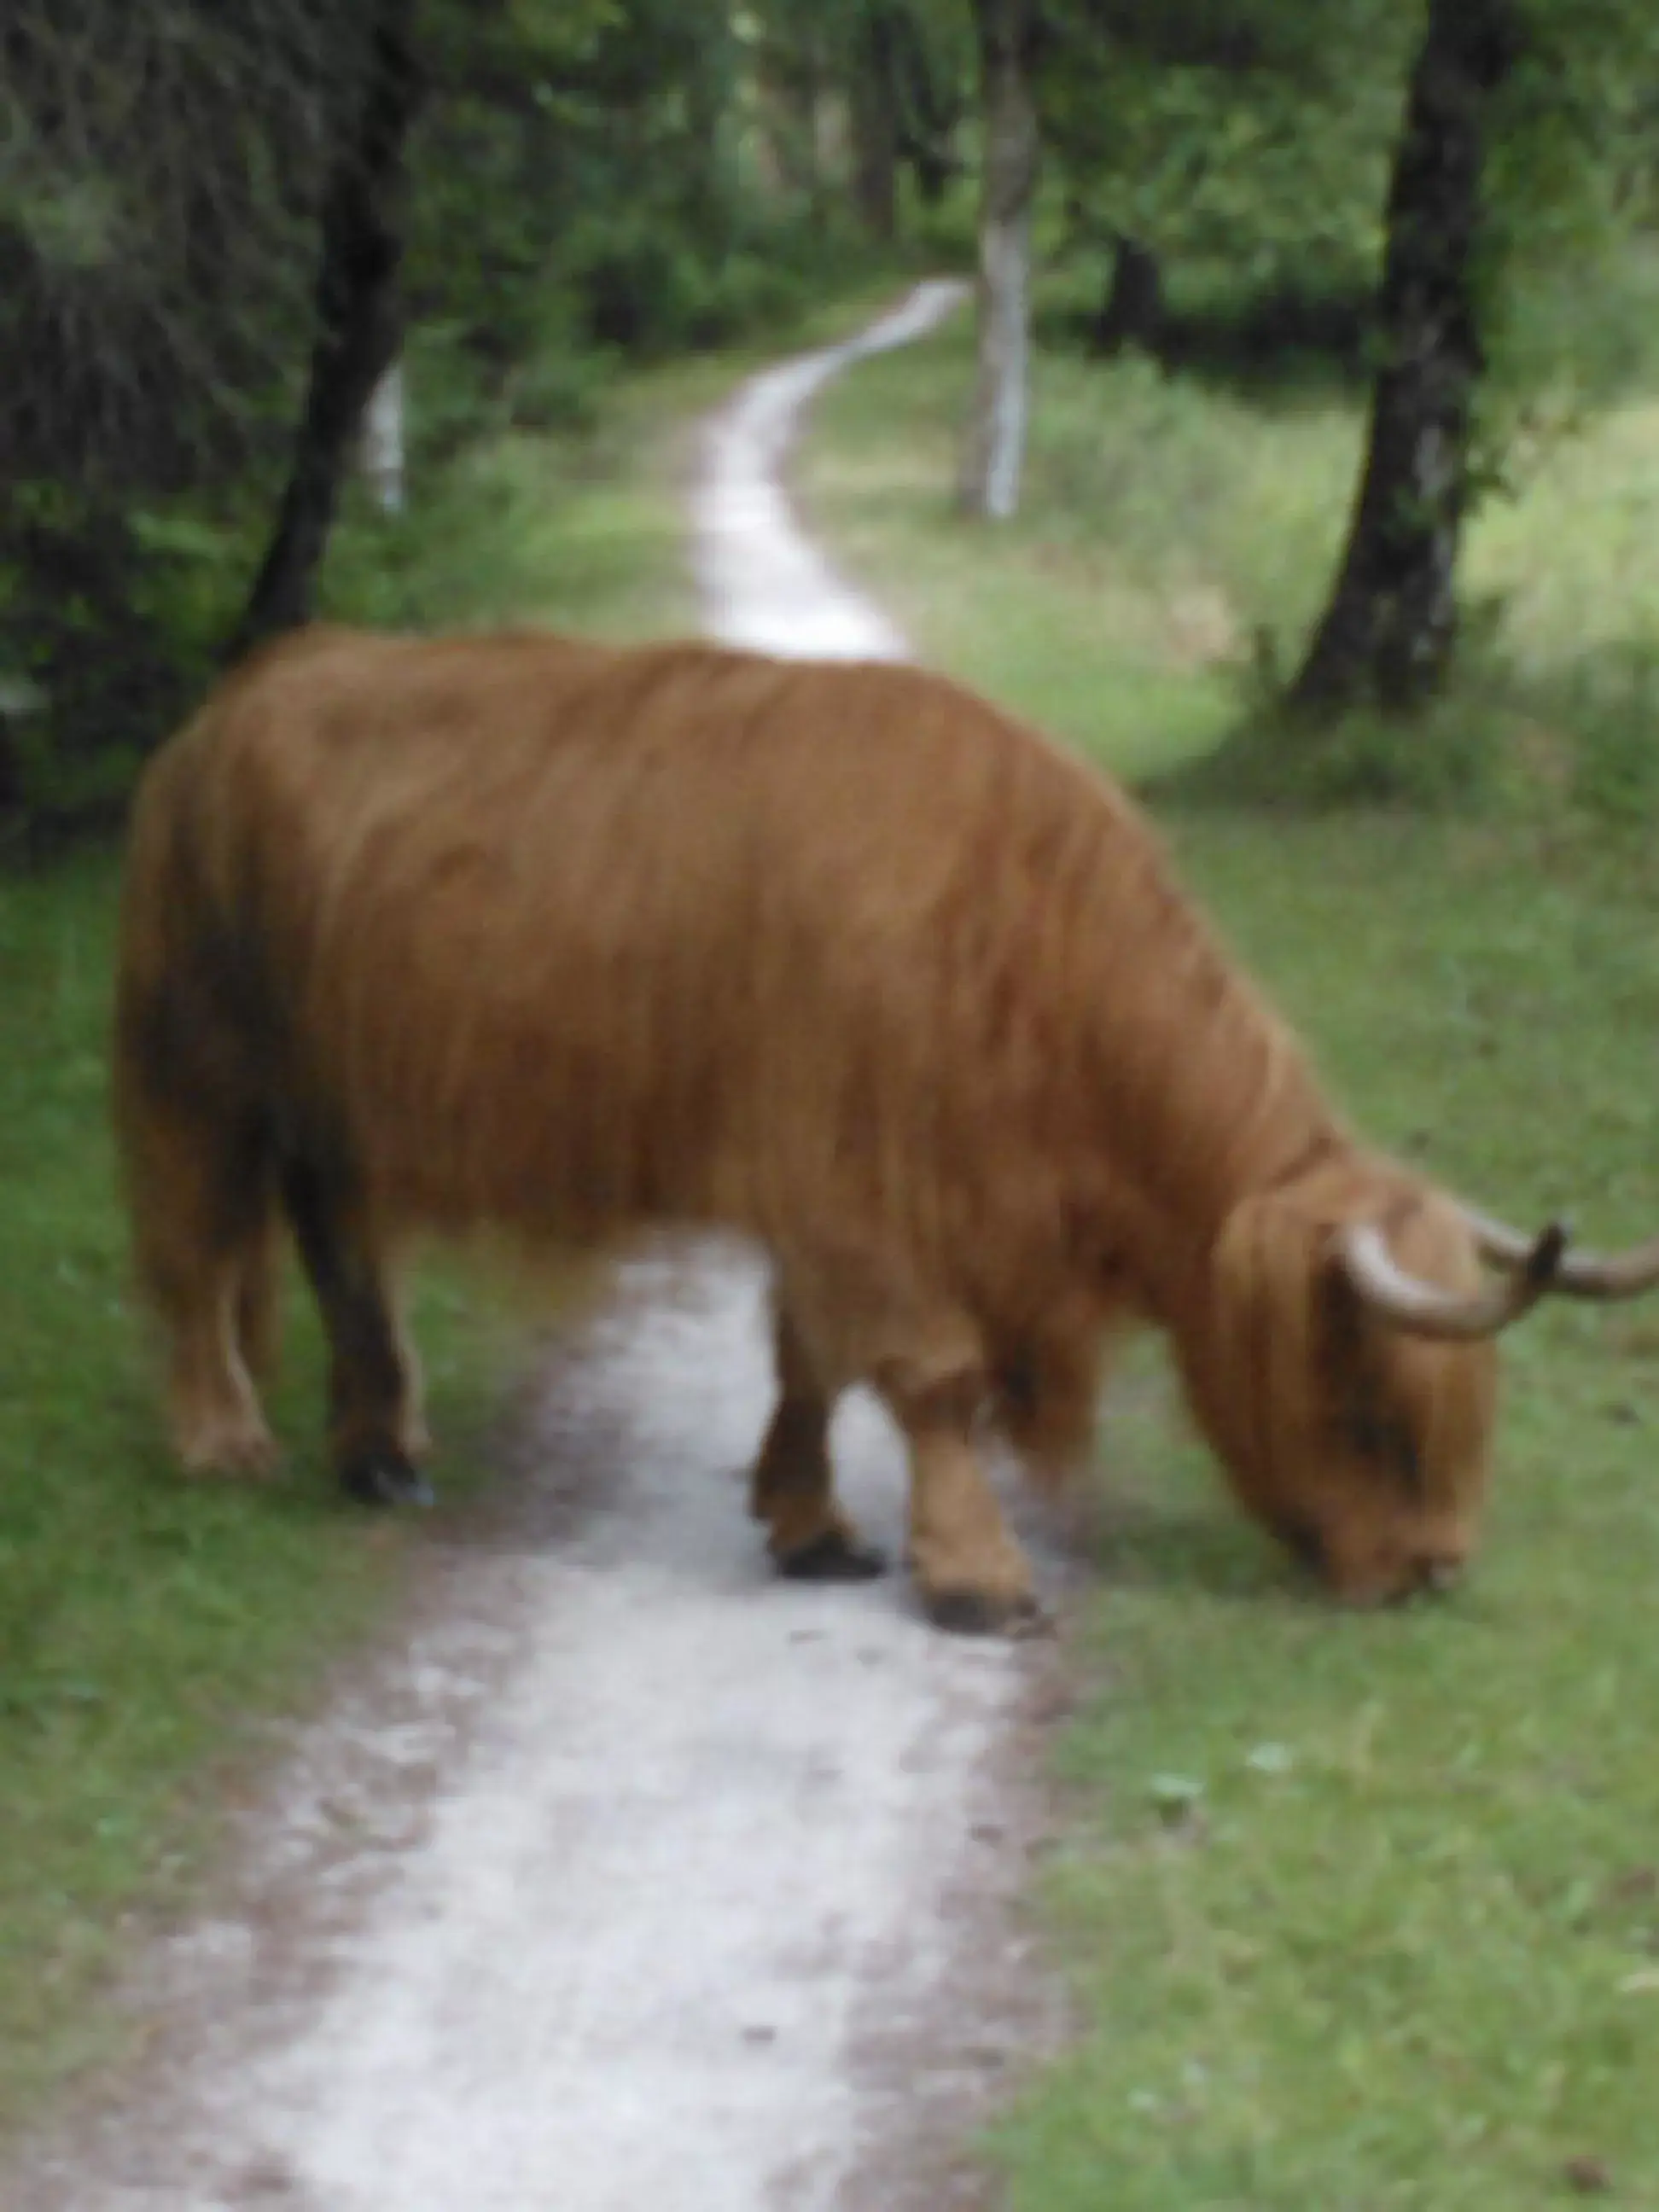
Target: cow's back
555 931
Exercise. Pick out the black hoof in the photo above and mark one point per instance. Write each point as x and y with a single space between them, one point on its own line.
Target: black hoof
833 1558
971 1613
385 1478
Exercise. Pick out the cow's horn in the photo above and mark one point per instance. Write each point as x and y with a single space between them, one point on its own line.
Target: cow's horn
1425 1310
1581 1274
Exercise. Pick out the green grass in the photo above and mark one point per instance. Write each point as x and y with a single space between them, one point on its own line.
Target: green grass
141 1622
1361 1913
1178 534
1135 578
150 1628
1408 1952
580 532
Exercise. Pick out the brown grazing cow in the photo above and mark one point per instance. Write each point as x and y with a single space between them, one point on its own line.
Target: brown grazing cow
431 935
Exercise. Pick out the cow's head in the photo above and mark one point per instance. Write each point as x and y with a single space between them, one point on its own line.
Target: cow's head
1341 1357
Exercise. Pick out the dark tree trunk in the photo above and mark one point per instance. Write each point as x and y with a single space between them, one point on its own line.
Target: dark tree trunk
928 111
810 100
1389 631
875 128
931 164
1132 310
995 446
358 327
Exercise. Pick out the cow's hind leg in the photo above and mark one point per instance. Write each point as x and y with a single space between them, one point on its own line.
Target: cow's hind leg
792 1489
200 1189
375 1430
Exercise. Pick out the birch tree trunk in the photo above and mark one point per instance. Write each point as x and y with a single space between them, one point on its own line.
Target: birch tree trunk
384 439
995 448
1389 631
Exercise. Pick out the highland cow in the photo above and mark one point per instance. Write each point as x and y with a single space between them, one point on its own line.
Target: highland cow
570 941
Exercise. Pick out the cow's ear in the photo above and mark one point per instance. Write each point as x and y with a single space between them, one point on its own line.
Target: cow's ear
1338 1313
1365 1422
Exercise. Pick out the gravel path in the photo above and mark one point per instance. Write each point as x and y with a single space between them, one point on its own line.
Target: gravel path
631 1879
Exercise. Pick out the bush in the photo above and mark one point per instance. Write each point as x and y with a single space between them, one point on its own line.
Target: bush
1309 321
1608 704
1576 750
636 284
1443 761
106 611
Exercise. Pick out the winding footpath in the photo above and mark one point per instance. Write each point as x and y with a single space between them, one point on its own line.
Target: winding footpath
629 1879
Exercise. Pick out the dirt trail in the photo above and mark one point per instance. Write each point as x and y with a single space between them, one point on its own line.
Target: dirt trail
631 1880
764 584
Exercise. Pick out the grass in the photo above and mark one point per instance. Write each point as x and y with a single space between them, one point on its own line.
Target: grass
1362 1913
151 1630
1178 533
1404 1949
146 1627
585 531
139 1623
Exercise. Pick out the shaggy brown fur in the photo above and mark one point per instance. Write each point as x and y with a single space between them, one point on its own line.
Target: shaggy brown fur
521 932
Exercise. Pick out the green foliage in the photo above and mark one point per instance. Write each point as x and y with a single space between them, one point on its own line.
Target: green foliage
944 235
643 287
1570 181
1259 138
1573 159
158 197
159 175
819 71
515 526
594 163
75 631
558 388
592 182
595 181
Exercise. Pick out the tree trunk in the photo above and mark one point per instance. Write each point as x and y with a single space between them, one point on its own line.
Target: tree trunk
1389 631
358 327
928 110
930 163
995 443
875 128
1131 312
384 447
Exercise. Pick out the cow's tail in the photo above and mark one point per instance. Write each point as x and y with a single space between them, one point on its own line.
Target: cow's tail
196 1152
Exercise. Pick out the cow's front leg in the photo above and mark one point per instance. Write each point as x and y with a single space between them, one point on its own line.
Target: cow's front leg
973 1577
793 1492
